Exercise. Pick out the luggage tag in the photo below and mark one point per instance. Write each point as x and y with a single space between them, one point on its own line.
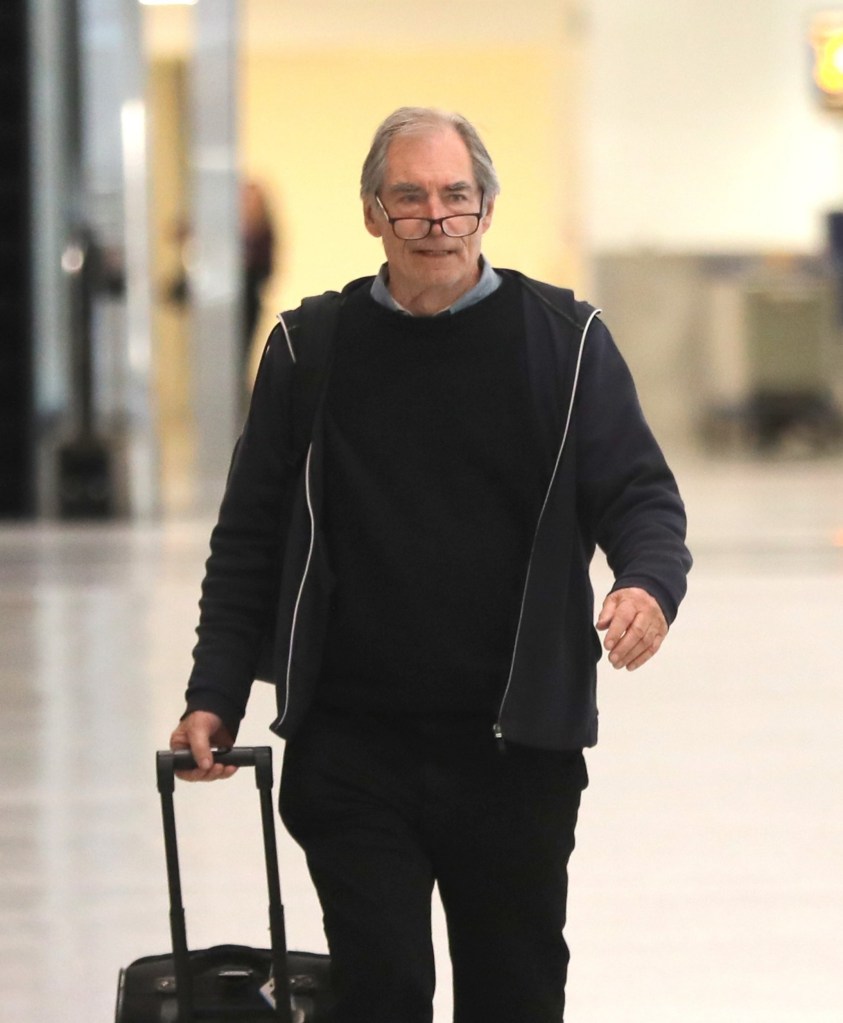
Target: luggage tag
268 992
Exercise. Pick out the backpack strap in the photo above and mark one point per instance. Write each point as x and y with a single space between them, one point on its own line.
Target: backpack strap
315 331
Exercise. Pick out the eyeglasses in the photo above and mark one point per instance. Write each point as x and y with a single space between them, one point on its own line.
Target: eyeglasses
413 229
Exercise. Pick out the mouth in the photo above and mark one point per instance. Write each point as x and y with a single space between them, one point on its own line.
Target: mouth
433 253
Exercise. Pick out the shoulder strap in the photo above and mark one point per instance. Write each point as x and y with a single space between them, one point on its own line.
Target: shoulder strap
314 345
561 300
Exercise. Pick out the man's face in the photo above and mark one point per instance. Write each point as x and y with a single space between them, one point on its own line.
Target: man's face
429 175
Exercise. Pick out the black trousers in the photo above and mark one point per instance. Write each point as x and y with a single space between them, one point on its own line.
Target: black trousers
383 809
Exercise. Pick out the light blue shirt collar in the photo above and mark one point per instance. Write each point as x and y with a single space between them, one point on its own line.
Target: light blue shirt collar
489 281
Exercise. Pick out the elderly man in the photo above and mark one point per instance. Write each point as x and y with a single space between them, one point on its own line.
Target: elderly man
423 564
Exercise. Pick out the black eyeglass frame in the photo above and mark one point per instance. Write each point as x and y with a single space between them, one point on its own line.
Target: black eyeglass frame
432 221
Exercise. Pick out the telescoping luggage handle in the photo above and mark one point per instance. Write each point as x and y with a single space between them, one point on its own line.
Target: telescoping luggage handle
260 758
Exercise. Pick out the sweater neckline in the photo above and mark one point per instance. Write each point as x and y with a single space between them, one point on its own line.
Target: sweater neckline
438 322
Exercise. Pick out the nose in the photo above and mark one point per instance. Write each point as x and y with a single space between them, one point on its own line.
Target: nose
436 209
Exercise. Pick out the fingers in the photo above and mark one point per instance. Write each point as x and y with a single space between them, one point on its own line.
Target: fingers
199 732
635 626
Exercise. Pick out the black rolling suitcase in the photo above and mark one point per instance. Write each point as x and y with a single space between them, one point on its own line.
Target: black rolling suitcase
227 983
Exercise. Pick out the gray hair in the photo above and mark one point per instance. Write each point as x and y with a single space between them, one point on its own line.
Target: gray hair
418 121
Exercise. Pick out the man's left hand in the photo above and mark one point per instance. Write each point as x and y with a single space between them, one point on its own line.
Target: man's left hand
635 627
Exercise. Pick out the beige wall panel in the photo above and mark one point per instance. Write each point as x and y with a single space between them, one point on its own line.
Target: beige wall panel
170 318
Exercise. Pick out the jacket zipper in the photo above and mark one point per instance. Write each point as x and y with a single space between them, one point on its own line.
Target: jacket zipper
497 728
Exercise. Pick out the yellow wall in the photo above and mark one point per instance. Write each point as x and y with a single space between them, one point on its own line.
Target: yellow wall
308 118
169 179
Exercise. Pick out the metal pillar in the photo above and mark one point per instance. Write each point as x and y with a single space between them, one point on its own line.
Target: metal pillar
53 180
90 203
215 285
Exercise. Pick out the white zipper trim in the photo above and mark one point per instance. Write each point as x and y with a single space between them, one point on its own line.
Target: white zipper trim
595 312
280 720
280 319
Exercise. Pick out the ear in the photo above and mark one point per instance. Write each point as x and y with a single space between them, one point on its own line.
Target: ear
486 222
373 222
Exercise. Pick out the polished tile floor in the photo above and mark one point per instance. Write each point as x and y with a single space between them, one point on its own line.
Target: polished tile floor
707 885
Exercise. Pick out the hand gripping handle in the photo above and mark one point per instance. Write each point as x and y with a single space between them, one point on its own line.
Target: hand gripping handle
259 757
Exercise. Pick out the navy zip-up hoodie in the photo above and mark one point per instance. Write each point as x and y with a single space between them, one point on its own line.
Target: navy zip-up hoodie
268 572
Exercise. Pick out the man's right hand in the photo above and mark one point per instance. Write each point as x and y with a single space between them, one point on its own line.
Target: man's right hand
198 732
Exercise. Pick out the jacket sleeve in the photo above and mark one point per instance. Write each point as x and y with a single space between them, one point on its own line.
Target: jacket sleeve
628 496
242 572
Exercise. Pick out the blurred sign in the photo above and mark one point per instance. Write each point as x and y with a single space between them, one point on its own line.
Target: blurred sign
826 34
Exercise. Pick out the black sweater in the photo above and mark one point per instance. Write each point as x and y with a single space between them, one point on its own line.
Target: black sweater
433 484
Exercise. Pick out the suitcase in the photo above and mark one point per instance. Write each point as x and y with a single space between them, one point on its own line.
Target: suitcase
227 983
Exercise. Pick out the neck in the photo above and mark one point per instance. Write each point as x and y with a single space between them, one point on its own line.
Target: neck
432 300
425 303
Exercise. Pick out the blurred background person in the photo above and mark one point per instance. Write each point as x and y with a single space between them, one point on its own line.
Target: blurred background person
259 237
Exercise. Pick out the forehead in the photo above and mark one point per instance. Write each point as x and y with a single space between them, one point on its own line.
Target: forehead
434 158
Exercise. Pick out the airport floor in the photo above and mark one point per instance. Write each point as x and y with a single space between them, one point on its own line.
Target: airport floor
707 883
